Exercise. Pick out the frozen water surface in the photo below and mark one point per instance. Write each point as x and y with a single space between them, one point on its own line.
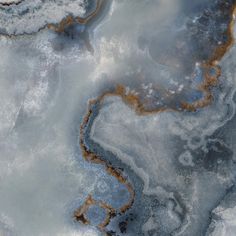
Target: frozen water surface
117 117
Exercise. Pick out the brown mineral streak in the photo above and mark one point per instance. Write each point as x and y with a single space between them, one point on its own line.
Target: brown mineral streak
208 82
134 101
65 22
80 213
217 55
92 157
69 20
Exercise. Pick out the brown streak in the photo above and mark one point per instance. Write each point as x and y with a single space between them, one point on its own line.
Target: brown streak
134 101
65 22
80 213
69 20
217 55
92 157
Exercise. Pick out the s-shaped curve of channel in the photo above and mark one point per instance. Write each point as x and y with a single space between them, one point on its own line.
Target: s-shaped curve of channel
133 100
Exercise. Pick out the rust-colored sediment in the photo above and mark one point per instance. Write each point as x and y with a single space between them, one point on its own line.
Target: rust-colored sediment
63 24
80 213
134 101
69 20
217 55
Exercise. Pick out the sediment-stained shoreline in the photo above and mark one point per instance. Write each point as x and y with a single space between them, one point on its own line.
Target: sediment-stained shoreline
134 102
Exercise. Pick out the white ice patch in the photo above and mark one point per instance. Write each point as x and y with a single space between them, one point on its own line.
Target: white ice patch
31 15
38 185
6 2
42 179
40 175
226 224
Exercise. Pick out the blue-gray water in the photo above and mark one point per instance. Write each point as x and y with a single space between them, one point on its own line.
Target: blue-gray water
165 122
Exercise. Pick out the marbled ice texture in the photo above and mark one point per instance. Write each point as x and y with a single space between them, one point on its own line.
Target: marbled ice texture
141 89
